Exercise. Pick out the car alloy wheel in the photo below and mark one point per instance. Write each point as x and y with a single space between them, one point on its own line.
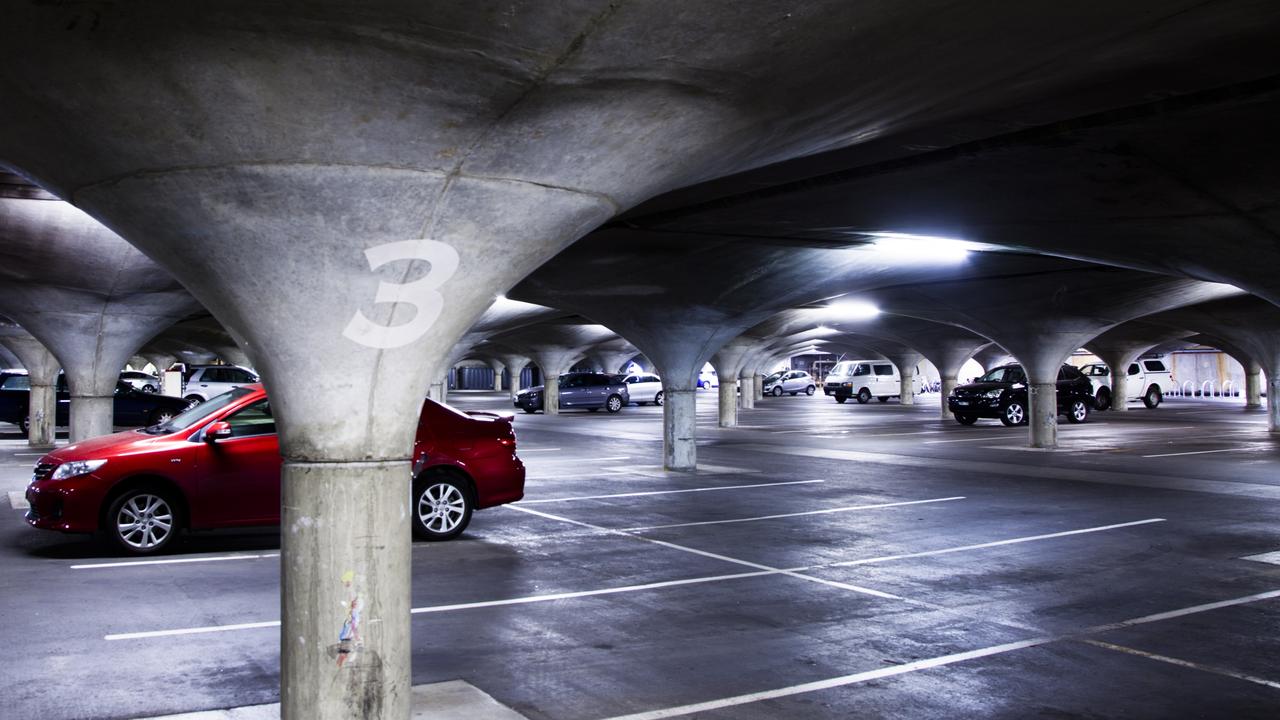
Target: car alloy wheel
159 417
864 396
1103 400
1078 412
148 388
777 391
443 508
657 399
25 425
1014 414
810 390
613 404
142 521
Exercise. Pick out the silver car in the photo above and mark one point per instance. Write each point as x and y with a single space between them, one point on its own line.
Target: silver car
644 388
789 381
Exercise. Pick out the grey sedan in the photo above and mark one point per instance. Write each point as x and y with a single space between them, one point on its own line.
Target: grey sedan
585 391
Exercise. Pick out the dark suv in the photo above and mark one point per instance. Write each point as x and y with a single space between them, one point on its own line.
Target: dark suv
587 391
1002 393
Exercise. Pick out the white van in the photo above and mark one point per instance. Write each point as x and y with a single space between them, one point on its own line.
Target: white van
1149 380
865 379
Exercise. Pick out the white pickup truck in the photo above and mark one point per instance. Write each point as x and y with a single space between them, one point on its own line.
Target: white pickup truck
1148 380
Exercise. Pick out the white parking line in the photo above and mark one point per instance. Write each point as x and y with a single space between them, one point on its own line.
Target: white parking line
925 664
1184 663
172 561
31 454
795 514
939 442
714 556
18 500
525 450
763 571
997 543
1199 452
668 492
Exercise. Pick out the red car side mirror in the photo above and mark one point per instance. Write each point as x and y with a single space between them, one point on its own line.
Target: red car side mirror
217 431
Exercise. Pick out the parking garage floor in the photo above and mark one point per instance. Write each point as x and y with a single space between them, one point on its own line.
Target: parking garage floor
826 561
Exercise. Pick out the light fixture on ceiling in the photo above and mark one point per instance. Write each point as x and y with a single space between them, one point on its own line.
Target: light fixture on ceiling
852 310
920 248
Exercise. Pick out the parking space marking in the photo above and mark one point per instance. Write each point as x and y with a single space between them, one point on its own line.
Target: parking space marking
762 571
31 454
1199 452
668 492
795 514
1183 663
524 450
714 556
1270 557
998 543
917 665
18 500
939 442
172 561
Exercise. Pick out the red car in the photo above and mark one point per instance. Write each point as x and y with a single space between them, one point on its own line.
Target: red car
217 465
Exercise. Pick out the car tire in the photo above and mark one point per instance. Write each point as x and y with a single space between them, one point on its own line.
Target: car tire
148 388
793 393
194 399
966 419
1077 412
842 399
777 391
1103 399
810 390
883 398
864 396
529 410
1153 397
25 424
657 399
593 409
160 415
142 520
442 506
613 404
1015 413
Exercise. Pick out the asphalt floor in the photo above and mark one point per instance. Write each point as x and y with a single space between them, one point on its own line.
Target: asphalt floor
825 561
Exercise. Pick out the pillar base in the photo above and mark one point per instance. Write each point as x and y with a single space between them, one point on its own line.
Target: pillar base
679 427
1043 418
907 389
345 574
728 403
1273 406
42 416
747 393
91 417
948 384
1252 390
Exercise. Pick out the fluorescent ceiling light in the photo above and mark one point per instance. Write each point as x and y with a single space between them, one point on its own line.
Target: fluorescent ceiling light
920 248
852 310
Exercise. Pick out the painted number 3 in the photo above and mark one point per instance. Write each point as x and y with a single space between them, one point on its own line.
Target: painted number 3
422 294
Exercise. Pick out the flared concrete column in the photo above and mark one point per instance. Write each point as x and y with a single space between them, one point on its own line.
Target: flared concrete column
1043 399
1273 403
552 364
496 366
42 372
728 402
338 619
949 383
906 386
757 385
679 429
515 365
438 391
1253 386
747 392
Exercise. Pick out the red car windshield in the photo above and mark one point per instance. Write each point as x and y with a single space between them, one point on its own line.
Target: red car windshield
195 414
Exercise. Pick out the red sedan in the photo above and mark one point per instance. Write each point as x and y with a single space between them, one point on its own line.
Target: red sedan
217 465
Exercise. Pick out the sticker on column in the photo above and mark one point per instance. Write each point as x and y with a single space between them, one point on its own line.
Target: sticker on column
422 294
349 642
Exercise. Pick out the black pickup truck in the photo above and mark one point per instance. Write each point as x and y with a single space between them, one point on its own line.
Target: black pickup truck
132 408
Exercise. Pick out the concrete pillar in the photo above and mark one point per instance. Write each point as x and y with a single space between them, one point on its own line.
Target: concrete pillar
757 386
330 579
679 429
1118 363
1253 386
91 416
515 366
438 391
496 366
42 372
1273 403
552 363
728 402
906 386
949 383
1043 399
747 394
